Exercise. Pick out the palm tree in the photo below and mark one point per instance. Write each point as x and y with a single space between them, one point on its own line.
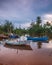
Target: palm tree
8 26
38 20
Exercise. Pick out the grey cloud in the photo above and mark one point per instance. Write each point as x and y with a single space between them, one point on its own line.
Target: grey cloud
23 10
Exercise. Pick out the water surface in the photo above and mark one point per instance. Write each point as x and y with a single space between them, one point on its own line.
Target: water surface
33 54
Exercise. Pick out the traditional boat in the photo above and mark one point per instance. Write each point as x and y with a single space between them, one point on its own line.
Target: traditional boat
3 37
17 42
35 39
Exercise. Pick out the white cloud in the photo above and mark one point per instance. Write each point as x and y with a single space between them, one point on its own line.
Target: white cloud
22 25
25 25
47 17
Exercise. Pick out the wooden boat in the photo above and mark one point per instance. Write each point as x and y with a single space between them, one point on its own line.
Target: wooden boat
35 39
3 37
16 42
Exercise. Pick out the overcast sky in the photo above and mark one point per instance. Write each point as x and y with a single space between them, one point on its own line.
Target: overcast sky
24 11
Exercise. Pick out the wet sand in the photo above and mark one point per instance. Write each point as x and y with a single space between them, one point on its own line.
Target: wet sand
35 54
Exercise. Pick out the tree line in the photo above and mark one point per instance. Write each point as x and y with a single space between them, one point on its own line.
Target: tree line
36 28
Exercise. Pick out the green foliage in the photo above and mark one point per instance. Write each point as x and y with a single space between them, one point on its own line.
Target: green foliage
36 30
39 30
33 30
20 31
7 27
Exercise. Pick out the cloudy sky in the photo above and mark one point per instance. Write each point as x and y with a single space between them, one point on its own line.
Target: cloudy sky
22 12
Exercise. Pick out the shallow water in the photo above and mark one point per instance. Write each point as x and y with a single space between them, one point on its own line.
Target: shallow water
34 54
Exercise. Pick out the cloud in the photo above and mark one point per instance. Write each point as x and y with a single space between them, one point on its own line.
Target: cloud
22 11
22 8
25 25
47 18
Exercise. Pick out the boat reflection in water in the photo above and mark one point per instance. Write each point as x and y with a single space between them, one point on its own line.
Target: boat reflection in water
39 45
20 47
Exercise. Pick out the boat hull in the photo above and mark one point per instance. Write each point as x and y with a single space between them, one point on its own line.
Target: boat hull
35 39
17 43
